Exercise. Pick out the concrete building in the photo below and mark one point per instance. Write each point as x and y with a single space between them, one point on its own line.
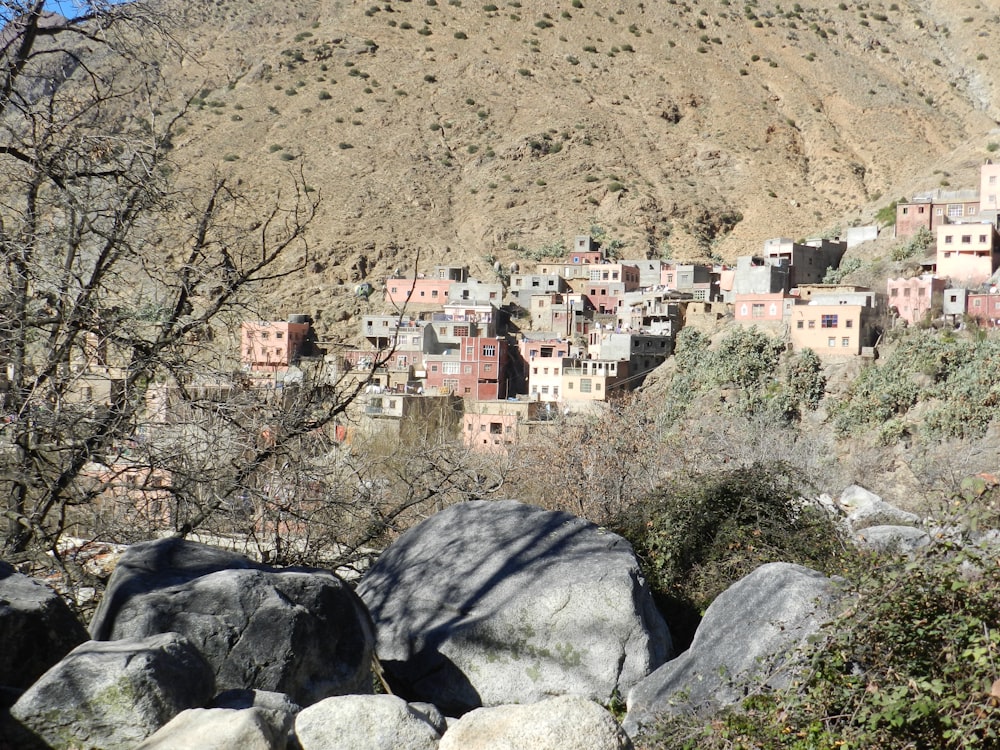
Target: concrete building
270 346
475 368
643 352
838 325
497 426
808 261
967 254
524 286
768 310
757 274
916 299
424 290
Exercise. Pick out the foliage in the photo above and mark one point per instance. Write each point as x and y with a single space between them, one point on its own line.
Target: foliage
805 378
836 275
954 376
887 214
699 533
919 244
912 663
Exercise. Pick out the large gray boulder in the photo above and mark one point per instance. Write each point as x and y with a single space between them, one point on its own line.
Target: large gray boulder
563 723
219 729
37 628
296 631
113 695
746 640
488 603
864 508
365 722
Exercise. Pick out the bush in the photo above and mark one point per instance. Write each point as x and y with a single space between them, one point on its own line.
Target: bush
697 535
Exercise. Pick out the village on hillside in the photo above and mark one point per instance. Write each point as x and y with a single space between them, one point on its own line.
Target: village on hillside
496 360
504 355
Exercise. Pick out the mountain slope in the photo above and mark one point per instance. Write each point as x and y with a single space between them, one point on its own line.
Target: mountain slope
462 131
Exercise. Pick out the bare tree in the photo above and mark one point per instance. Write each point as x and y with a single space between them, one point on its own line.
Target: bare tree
105 294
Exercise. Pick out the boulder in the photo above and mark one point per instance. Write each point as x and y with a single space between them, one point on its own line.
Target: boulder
364 722
278 708
37 629
892 538
487 603
113 695
562 723
218 729
296 631
746 640
864 509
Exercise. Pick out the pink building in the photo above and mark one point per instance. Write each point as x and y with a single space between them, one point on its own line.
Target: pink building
914 299
762 308
968 254
271 346
984 308
431 289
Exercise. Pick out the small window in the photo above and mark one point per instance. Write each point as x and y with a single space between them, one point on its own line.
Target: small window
893 292
279 334
849 323
800 324
830 321
845 341
812 323
906 292
948 239
967 239
831 342
585 385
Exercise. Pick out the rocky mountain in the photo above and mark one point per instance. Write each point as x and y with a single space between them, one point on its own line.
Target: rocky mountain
461 131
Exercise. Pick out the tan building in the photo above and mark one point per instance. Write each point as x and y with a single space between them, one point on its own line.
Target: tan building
833 330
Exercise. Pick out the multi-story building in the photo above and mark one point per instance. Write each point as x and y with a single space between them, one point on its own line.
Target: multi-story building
968 254
917 298
524 286
424 290
932 209
809 261
496 426
836 325
476 367
642 351
270 346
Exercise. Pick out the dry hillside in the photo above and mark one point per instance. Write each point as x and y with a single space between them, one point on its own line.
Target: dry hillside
462 130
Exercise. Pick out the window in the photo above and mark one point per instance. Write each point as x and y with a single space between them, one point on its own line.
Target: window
812 323
569 385
451 368
947 239
977 303
906 292
488 367
462 331
982 238
849 323
970 210
993 179
555 390
831 342
470 351
830 321
906 210
966 239
278 335
955 210
434 368
846 341
757 310
799 324
893 292
489 350
939 211
468 369
545 390
469 427
265 335
585 385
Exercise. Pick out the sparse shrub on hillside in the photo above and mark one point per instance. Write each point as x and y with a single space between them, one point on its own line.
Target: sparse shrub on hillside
805 378
836 275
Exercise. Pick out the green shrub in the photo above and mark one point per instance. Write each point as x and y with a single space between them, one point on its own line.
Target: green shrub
697 535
